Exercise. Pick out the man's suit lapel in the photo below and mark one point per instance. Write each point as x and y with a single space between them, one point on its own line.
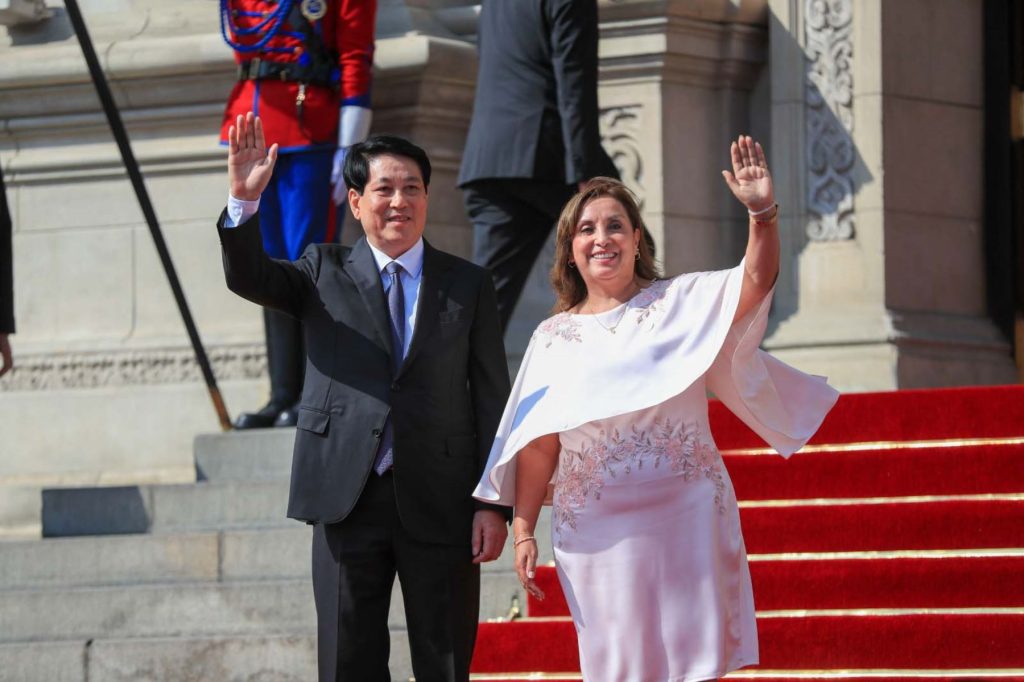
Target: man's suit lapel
432 286
362 268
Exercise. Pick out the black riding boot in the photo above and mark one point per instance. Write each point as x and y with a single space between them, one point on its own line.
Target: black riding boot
286 362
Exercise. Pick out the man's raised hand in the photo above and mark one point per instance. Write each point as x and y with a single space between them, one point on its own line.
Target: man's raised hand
250 163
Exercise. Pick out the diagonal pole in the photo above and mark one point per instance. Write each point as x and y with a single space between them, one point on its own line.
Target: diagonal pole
132 166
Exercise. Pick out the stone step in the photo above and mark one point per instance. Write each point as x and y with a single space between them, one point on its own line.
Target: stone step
285 657
44 662
256 454
282 657
253 554
209 505
192 609
112 560
164 508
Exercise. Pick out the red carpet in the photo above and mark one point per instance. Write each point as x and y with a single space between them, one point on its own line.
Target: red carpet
928 525
928 414
899 583
877 562
950 471
793 643
845 676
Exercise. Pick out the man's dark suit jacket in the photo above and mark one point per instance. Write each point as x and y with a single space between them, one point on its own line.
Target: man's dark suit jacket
535 114
6 265
445 402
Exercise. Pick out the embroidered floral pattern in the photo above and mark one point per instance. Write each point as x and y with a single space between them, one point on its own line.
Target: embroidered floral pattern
562 325
582 473
568 327
650 299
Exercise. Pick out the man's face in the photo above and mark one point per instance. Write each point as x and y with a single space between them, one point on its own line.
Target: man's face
393 206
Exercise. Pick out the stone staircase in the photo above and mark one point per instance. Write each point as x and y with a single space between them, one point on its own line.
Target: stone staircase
202 581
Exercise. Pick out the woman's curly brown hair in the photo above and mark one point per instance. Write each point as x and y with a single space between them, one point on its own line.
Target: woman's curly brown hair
567 281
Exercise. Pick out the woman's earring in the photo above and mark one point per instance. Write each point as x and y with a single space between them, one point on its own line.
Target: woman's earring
637 253
572 264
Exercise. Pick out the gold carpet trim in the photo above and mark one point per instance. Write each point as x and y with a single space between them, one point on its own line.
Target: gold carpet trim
822 613
886 445
892 554
537 619
483 677
969 673
818 613
905 499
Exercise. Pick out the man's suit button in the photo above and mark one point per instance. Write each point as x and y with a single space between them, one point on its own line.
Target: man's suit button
395 387
376 433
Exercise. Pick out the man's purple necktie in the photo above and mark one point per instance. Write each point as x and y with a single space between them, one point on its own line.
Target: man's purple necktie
396 310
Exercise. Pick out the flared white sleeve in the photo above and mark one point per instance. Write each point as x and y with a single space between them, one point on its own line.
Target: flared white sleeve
580 368
782 405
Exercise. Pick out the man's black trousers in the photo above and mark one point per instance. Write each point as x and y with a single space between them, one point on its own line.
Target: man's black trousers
355 563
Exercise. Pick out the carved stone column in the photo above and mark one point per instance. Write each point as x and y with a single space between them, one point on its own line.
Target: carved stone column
882 283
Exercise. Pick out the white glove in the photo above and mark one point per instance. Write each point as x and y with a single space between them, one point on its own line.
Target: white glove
353 126
339 193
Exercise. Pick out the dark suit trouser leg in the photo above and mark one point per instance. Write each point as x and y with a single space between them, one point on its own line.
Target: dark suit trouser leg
441 593
512 219
286 357
354 566
353 574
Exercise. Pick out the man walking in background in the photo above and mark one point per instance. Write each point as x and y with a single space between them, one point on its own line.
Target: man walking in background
304 68
534 135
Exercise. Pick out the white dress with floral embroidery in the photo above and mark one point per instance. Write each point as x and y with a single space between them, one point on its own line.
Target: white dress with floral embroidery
645 523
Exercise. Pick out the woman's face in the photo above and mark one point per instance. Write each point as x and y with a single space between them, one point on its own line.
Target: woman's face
605 245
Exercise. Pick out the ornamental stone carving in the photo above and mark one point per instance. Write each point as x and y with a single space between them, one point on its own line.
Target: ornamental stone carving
620 128
829 91
141 367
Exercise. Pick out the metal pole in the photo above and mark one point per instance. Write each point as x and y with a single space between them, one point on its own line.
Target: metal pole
135 175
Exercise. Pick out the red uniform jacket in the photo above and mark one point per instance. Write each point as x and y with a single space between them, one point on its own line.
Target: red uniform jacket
346 30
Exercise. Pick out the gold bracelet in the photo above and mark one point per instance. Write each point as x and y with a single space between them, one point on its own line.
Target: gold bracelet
523 538
769 215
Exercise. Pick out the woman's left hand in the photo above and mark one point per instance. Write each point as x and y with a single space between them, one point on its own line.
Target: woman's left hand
526 565
750 180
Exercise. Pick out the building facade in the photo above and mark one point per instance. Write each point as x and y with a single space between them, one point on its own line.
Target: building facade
888 126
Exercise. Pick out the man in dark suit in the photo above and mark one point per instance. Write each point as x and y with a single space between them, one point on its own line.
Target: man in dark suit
405 384
6 283
534 136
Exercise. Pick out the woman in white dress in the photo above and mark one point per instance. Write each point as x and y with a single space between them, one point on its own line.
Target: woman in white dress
611 406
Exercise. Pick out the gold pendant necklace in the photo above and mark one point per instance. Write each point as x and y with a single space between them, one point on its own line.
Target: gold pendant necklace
611 329
622 315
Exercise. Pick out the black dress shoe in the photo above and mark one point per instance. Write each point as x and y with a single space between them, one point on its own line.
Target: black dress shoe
262 418
288 416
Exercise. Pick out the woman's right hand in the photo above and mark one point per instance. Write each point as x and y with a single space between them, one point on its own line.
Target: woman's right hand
526 566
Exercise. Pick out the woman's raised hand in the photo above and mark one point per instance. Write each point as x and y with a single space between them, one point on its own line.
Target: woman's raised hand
250 163
750 180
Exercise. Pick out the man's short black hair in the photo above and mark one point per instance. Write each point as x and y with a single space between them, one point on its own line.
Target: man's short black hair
357 163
